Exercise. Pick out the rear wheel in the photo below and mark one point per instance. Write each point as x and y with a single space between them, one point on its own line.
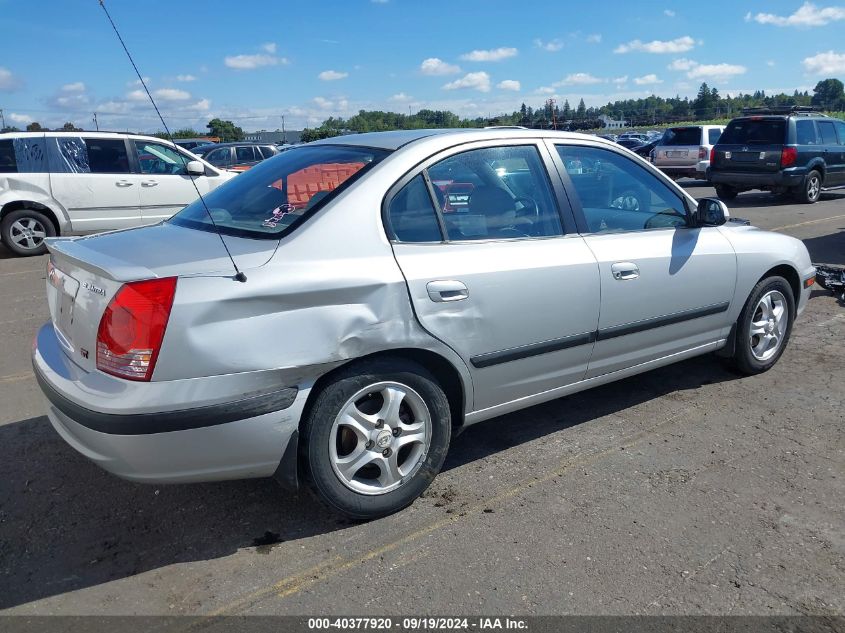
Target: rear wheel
24 231
376 437
811 189
764 326
725 192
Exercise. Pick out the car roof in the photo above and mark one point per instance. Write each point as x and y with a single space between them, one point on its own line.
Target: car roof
233 143
85 133
449 136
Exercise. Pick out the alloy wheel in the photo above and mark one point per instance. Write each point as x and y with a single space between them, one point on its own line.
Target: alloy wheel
380 438
769 323
28 233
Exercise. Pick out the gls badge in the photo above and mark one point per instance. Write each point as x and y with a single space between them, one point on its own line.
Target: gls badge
93 288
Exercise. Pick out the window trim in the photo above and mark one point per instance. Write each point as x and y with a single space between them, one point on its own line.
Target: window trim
564 210
575 200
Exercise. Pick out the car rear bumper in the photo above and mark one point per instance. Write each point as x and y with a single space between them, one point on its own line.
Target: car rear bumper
752 180
210 429
678 170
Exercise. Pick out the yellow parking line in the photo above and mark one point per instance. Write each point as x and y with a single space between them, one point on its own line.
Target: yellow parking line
16 377
297 582
792 226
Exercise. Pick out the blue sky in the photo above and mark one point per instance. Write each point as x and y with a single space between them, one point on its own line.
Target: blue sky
253 62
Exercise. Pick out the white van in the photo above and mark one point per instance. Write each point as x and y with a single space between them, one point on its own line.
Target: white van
71 183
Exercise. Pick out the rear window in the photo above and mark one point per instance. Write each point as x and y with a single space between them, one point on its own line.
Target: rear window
682 136
713 135
8 164
275 196
754 132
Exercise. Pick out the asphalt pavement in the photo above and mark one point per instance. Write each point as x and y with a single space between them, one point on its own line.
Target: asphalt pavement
686 490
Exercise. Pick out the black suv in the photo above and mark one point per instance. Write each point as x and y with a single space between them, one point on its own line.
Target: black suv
794 150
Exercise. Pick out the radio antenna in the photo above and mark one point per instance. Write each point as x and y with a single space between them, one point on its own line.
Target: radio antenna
239 276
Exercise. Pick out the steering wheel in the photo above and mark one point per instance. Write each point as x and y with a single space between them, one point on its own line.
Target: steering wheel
528 203
665 219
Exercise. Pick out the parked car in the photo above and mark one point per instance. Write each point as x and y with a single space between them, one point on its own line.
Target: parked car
70 183
237 156
368 324
191 143
684 152
646 149
630 142
782 150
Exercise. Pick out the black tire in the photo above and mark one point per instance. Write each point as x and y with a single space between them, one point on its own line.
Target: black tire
743 359
317 437
22 220
725 192
811 189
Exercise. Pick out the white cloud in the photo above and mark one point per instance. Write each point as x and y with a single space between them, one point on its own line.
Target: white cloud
716 72
332 75
251 62
20 119
579 79
323 103
678 45
136 83
828 63
509 84
8 81
136 95
682 64
620 80
436 66
648 80
269 47
669 13
203 105
170 94
185 78
807 15
476 81
492 55
770 63
77 86
552 46
595 38
545 90
401 97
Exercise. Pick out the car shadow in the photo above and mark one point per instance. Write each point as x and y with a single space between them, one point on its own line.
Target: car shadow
827 249
5 253
755 199
65 524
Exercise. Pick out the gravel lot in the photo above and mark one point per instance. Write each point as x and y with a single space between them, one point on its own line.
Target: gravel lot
686 490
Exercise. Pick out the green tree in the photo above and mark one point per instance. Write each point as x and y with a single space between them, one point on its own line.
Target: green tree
186 132
35 126
581 112
829 95
70 127
225 130
315 134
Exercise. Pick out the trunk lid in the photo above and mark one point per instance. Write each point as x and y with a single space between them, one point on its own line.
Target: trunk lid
85 273
679 147
751 145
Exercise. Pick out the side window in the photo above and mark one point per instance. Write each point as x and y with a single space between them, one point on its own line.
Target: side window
713 135
266 151
156 158
8 164
617 194
495 193
107 156
840 130
411 214
221 157
245 154
827 132
805 133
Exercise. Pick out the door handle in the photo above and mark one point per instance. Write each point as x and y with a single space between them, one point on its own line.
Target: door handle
149 183
124 183
447 290
622 271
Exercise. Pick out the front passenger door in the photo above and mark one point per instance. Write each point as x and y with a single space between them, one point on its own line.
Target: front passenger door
665 286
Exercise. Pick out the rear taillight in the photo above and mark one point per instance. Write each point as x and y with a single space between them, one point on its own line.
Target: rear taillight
712 154
788 156
132 328
702 153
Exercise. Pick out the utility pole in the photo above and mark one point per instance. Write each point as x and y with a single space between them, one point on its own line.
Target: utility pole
284 134
96 125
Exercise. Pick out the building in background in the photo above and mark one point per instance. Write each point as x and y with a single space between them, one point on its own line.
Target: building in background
277 138
612 124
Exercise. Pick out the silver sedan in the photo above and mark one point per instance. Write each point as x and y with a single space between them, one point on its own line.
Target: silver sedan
394 288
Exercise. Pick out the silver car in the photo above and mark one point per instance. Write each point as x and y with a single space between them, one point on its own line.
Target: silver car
684 152
396 288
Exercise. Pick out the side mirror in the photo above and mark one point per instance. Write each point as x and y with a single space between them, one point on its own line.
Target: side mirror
195 168
711 212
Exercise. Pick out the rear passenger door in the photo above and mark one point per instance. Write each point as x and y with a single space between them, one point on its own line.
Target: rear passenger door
493 270
665 286
93 179
832 154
